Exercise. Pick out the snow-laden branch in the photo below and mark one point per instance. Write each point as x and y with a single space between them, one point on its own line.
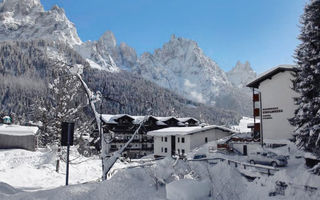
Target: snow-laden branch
106 163
110 162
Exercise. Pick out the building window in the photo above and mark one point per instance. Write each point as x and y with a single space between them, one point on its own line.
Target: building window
165 150
206 140
182 139
161 139
161 149
178 139
182 151
165 139
178 151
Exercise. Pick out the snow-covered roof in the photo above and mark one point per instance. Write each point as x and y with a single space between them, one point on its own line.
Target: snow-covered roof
269 73
18 130
310 155
160 123
112 119
186 130
184 119
163 119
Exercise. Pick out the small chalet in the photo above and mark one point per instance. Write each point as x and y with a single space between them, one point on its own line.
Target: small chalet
181 140
273 103
123 126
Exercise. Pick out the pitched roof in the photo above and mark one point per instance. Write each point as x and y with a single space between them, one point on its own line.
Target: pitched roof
270 73
185 119
112 119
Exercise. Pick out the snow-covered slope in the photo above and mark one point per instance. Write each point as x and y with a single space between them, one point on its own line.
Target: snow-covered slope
241 74
181 66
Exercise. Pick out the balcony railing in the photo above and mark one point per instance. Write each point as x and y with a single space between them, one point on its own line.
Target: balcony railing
256 112
133 141
257 127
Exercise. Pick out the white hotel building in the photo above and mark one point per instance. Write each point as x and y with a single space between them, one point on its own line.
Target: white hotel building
273 94
181 140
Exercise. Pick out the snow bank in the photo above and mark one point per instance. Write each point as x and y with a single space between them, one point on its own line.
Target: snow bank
227 182
188 189
128 184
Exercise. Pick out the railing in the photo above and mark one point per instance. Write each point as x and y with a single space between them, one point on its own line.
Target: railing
147 148
255 97
125 140
245 140
146 140
268 170
256 112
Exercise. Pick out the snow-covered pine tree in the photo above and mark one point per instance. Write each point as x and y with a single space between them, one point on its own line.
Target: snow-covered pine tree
59 106
307 81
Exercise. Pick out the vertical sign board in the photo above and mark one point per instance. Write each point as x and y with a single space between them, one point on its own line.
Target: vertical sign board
67 140
67 126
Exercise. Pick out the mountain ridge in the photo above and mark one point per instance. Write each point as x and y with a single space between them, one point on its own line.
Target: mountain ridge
180 65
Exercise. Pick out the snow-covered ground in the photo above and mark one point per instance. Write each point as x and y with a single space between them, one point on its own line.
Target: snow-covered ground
295 174
26 175
29 170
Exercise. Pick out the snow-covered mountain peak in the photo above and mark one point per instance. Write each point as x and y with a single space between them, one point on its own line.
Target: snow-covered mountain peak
26 19
59 10
108 40
100 51
242 66
179 45
241 74
20 6
178 66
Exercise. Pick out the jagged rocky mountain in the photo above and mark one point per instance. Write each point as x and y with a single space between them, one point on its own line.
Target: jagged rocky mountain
179 66
241 74
26 70
103 52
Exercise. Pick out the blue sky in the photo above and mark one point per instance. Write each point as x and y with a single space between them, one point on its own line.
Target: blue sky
264 32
